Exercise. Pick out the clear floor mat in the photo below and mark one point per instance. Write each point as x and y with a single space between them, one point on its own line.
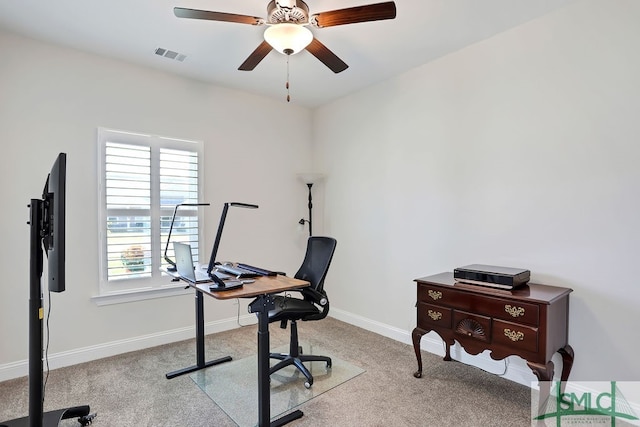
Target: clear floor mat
234 385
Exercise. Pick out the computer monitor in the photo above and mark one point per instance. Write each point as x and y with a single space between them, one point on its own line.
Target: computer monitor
53 238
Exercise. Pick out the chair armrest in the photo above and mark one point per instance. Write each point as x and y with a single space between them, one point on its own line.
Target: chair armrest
318 298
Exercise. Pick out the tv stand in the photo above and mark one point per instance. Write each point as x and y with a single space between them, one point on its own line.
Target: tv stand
53 418
36 417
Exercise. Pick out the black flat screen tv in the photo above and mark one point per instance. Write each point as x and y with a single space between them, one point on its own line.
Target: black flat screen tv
53 239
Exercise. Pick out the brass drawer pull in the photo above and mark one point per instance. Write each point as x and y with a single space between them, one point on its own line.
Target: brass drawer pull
514 335
435 294
435 315
514 311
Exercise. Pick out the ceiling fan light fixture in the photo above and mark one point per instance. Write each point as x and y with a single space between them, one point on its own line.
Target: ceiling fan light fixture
288 38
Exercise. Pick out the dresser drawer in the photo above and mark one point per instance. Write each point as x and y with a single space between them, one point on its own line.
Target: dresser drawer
515 335
441 296
515 311
430 315
501 308
472 325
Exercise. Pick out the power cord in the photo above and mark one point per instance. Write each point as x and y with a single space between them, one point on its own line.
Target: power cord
506 366
87 419
46 348
283 304
238 314
505 360
84 420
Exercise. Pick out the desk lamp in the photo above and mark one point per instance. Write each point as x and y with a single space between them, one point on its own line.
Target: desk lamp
223 217
172 263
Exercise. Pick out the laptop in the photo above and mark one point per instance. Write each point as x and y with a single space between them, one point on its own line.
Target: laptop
184 265
186 270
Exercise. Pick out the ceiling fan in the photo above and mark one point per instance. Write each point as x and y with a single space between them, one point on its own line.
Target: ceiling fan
287 31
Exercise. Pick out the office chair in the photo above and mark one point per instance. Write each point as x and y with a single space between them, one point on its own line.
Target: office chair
314 305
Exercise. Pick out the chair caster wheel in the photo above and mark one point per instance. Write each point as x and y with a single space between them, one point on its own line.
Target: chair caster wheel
307 384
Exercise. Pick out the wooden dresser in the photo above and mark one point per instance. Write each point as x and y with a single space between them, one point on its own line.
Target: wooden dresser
530 321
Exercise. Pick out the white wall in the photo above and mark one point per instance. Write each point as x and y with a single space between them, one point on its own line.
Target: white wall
522 151
52 100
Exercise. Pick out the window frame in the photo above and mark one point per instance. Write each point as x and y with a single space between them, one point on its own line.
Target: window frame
159 283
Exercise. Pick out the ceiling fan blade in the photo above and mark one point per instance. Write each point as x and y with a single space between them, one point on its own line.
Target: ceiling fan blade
256 56
353 15
325 56
181 12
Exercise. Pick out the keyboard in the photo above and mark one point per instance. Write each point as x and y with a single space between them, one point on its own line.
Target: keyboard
260 271
239 272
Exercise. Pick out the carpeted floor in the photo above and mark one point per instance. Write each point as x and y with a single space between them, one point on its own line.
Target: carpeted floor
131 389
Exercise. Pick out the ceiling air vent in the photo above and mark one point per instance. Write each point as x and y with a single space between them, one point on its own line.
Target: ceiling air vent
170 54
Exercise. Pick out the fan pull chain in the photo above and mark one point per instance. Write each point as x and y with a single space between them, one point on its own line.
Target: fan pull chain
287 85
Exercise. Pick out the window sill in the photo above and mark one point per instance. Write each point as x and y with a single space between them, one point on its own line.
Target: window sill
132 295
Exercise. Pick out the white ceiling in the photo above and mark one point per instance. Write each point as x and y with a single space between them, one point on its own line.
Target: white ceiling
131 30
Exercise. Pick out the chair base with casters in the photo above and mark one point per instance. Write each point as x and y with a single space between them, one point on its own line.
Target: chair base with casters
295 356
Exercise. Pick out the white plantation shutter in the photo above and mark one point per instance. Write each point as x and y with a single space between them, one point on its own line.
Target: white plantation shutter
128 192
142 179
179 184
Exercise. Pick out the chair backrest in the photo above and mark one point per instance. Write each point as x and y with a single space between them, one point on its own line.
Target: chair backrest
317 261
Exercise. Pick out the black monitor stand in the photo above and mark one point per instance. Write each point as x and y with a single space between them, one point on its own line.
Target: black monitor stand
37 417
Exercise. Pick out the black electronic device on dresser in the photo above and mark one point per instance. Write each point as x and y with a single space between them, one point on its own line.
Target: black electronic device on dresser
493 276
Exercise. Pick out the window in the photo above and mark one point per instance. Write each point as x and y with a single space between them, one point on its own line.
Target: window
141 180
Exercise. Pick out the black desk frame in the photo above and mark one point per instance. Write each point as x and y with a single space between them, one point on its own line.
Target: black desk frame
200 362
261 305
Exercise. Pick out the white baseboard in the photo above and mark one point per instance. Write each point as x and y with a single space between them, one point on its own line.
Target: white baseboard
68 358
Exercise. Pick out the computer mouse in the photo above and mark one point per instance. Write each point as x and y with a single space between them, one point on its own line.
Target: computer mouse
228 264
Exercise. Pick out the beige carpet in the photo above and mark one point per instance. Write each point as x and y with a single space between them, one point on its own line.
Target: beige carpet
131 389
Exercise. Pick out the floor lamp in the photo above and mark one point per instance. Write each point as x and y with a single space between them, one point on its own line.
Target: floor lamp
309 179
